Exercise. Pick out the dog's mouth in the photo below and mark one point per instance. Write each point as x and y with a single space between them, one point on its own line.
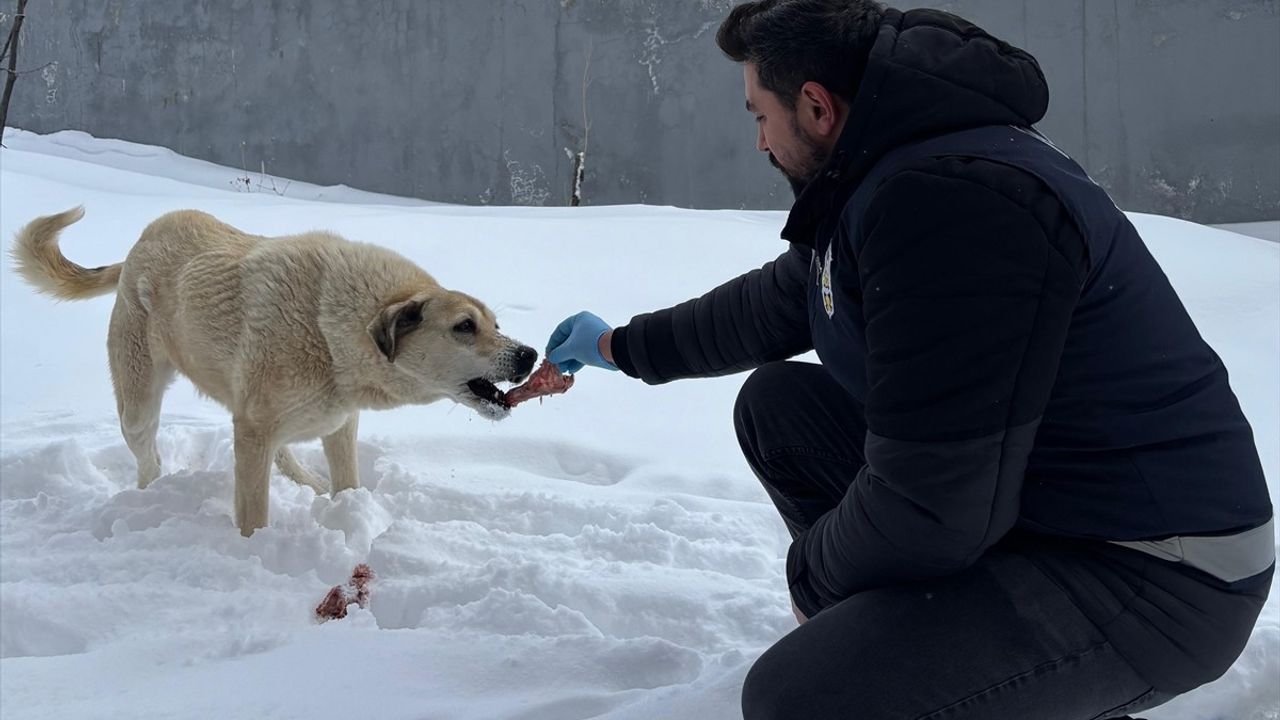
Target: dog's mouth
482 393
483 396
487 392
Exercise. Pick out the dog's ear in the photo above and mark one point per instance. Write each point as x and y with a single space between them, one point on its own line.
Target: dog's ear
393 323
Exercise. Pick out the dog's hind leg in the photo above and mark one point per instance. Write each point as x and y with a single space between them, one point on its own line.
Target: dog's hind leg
340 451
139 377
254 448
293 470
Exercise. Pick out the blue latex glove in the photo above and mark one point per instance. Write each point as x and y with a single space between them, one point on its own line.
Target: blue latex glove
576 342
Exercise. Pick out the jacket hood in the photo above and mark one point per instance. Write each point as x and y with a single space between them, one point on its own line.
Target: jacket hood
928 73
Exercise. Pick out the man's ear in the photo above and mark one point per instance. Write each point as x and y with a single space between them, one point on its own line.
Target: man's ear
822 111
393 323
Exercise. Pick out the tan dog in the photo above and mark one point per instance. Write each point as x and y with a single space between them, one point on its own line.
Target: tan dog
294 335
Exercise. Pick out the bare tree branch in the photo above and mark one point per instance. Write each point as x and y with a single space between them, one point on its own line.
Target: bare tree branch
28 71
11 50
8 42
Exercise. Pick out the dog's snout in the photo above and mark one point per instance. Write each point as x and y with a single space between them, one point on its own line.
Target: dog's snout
525 358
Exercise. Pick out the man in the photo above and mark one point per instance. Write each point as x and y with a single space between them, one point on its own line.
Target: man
1019 485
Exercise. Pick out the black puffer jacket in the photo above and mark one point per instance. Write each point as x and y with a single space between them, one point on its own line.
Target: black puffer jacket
1023 362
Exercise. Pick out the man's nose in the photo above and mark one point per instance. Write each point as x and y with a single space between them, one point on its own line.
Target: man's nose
761 145
525 357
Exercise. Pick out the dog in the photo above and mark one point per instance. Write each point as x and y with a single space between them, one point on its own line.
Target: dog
293 335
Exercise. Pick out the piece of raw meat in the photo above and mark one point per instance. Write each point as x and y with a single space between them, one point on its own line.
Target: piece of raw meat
546 380
334 605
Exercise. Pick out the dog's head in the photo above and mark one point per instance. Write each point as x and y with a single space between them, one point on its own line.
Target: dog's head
449 344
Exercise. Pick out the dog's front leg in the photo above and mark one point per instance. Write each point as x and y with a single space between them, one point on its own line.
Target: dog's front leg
340 451
254 448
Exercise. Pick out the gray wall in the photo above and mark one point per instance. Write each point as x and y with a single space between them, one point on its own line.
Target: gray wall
1173 105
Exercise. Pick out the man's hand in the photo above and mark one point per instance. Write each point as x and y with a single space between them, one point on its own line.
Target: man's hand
580 340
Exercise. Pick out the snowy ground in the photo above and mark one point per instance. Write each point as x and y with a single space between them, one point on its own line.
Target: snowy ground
1267 230
604 555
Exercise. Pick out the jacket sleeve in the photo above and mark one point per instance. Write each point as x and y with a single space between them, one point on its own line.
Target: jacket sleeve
966 300
753 319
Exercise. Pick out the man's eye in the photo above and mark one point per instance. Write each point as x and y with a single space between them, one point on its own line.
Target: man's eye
466 326
759 118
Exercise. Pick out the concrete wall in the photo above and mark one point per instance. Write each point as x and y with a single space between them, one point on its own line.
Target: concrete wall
1173 105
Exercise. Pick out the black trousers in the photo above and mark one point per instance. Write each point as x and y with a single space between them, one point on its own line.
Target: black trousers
998 641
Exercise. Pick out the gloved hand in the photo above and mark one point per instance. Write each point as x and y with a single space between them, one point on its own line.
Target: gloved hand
576 342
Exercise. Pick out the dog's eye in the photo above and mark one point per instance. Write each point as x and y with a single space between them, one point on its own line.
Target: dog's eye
466 326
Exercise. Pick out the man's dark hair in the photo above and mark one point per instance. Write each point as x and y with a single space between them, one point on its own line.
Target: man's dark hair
792 42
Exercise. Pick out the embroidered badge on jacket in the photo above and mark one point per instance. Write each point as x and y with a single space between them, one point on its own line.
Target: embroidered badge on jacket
828 298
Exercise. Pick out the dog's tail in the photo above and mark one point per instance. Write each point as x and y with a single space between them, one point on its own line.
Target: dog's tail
38 260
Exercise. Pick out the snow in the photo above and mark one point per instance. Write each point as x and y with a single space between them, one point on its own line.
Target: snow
589 557
1266 229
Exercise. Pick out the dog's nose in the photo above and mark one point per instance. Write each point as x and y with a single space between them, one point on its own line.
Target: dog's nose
525 358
